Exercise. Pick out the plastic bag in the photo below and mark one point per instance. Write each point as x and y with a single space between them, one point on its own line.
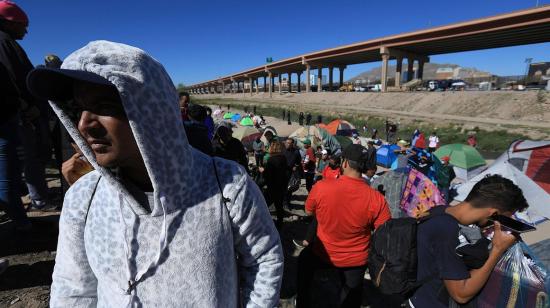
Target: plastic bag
518 280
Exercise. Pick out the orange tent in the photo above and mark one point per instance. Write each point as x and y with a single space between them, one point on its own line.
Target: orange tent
339 127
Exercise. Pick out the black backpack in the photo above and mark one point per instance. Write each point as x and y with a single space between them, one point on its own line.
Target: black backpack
393 258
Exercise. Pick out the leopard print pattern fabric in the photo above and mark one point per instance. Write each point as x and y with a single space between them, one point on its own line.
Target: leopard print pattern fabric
215 255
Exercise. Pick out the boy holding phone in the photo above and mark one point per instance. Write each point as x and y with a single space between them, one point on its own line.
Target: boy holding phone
439 265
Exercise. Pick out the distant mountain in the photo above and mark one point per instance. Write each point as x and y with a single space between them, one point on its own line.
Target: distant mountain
429 72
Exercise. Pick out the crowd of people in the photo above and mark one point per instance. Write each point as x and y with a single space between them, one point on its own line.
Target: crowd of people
160 193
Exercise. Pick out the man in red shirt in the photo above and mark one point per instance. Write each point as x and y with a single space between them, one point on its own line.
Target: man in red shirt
347 211
332 171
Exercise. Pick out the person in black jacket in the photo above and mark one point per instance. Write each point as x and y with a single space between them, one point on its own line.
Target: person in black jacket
34 126
294 165
275 175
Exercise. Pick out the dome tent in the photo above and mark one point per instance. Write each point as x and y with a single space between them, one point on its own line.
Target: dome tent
340 127
385 155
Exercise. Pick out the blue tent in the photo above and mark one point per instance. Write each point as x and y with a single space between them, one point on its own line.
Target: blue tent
236 117
385 155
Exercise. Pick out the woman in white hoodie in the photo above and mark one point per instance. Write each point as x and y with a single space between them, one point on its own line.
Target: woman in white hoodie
158 223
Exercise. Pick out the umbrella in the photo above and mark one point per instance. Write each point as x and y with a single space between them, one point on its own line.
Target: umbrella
247 121
462 155
227 115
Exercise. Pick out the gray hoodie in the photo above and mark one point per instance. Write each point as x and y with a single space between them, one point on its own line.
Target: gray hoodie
178 246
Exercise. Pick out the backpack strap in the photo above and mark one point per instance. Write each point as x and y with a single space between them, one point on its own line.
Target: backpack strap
224 199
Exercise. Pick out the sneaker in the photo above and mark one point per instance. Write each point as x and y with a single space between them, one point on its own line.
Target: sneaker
3 265
41 205
300 244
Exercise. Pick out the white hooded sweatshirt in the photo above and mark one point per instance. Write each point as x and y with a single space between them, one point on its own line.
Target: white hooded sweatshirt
178 246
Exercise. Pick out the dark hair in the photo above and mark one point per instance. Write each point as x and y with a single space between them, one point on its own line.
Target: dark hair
357 166
498 192
197 112
182 94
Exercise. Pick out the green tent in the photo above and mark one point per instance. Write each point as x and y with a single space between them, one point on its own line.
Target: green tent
227 115
247 121
344 141
462 155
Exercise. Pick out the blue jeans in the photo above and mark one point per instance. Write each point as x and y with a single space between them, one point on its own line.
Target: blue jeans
10 172
37 146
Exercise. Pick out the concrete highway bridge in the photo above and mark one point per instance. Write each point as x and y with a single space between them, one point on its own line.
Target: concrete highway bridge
517 28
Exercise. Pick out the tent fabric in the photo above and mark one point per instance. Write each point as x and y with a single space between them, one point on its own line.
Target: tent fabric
462 155
392 184
529 145
531 158
343 140
247 121
538 167
420 194
268 129
246 135
228 115
468 174
340 127
318 137
242 132
385 155
236 117
537 198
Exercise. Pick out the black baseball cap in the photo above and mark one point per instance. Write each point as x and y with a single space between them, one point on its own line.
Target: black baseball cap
356 153
56 84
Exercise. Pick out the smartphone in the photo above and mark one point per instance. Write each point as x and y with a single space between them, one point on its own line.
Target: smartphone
511 224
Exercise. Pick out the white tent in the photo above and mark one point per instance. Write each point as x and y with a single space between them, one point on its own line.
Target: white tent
537 198
467 174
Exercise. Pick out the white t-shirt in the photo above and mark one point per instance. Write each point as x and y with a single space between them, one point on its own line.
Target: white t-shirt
434 140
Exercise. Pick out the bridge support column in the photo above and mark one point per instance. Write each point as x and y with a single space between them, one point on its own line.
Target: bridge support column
421 63
280 83
398 69
384 77
308 79
410 68
341 80
319 79
330 70
223 88
289 82
299 83
270 84
265 85
251 85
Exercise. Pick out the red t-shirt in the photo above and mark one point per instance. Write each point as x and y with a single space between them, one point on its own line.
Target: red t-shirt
347 211
310 165
329 173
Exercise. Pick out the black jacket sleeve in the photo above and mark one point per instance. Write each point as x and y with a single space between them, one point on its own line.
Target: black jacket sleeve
17 64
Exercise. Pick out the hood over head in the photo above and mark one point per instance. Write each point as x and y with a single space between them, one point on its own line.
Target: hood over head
150 101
